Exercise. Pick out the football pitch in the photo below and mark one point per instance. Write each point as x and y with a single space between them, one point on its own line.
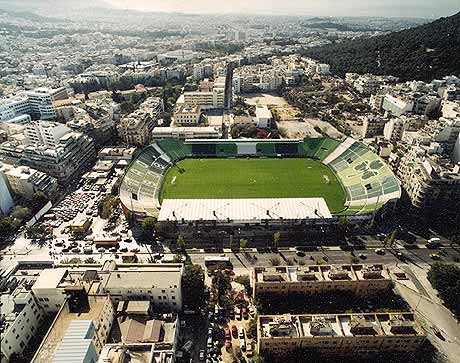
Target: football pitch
253 178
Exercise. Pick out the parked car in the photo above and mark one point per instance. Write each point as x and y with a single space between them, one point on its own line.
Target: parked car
227 334
245 313
380 251
123 249
243 344
435 256
241 332
202 355
238 313
234 331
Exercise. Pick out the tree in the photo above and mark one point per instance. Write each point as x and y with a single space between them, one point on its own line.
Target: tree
6 227
222 284
274 261
39 199
446 279
243 243
193 293
20 213
344 227
90 260
390 239
107 205
246 282
181 244
252 328
276 239
148 226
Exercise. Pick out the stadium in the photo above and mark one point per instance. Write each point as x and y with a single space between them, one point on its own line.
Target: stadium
256 182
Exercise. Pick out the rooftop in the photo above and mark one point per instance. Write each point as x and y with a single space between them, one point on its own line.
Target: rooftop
245 210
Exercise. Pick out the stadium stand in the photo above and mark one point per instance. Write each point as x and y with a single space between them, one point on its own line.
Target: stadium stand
368 182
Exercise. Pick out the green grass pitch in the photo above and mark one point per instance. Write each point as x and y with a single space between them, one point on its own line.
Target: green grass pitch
253 178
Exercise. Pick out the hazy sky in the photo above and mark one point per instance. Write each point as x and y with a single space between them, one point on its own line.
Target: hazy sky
405 8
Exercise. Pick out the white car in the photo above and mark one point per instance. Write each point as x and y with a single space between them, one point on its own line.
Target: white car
241 332
242 344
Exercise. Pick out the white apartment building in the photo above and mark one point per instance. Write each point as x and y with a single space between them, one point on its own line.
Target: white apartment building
210 98
187 115
45 132
160 284
6 200
187 132
263 116
37 103
25 181
20 319
397 104
202 71
450 109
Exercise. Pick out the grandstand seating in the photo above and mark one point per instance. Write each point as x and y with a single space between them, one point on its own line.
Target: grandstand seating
367 180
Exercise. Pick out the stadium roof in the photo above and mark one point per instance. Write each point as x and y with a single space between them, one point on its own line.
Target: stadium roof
250 210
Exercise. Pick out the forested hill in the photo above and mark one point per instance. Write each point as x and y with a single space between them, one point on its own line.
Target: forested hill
425 52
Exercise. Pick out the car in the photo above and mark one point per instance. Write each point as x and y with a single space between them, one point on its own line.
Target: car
238 313
362 256
300 253
435 256
87 250
401 256
59 244
249 352
245 313
113 249
234 331
76 250
135 250
101 249
66 249
241 332
381 236
243 344
228 345
251 310
228 336
380 251
124 249
209 343
325 258
202 355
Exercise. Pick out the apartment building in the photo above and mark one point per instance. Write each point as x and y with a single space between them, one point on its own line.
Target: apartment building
79 331
430 181
25 181
6 199
187 115
398 104
263 116
20 320
211 95
339 334
45 133
362 280
202 71
136 128
70 156
159 284
37 103
372 126
187 132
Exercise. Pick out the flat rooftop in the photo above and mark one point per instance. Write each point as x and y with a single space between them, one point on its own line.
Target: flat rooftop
50 278
339 325
311 273
243 210
53 339
162 276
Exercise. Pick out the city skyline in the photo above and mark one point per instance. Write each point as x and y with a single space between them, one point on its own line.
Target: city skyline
384 8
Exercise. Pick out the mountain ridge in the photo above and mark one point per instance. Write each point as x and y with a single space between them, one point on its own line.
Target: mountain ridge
424 52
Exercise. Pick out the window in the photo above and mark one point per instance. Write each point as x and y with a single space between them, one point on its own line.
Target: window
173 297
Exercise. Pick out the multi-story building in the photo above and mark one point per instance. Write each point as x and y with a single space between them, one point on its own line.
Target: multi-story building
398 104
136 128
159 284
25 181
187 115
208 98
72 155
362 280
372 126
263 116
20 320
182 133
427 104
456 152
79 331
450 109
429 180
339 334
45 133
37 103
6 200
202 71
